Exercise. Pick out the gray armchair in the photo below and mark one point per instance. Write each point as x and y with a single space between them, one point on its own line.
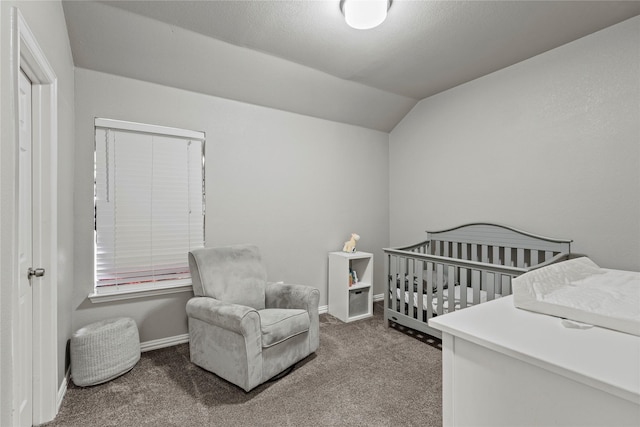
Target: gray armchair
242 328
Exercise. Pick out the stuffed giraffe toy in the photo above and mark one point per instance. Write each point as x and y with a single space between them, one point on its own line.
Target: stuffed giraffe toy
350 245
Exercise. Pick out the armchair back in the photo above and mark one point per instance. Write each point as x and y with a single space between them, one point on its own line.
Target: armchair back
232 274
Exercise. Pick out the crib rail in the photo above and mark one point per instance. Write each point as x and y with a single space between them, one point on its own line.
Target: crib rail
460 267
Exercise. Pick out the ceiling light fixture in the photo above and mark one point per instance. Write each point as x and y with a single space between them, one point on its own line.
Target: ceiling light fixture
364 14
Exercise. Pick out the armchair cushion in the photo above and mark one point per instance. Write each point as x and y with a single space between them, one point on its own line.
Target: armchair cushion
232 274
278 324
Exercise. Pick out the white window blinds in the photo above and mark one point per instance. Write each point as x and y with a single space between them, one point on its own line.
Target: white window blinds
149 204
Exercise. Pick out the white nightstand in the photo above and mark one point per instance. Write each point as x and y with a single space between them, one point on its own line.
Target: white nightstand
349 303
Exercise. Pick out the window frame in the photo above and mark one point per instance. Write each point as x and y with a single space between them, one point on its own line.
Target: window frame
129 291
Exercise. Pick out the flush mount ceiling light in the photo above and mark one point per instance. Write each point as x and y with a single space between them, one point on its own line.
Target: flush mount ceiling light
364 14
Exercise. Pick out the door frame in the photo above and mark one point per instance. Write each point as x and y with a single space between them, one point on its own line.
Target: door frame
27 55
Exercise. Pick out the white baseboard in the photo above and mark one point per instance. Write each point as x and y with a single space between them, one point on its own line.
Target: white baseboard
163 342
63 389
379 297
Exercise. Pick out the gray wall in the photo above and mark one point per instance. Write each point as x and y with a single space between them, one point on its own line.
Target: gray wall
550 145
46 21
294 185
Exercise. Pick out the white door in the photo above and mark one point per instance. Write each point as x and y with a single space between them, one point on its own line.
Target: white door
25 250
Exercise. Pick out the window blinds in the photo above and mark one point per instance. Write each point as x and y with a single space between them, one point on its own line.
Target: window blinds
149 204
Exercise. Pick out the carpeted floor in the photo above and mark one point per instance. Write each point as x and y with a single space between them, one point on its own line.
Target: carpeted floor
363 374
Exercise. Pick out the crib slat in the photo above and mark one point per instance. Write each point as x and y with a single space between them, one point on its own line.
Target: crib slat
496 277
463 277
395 280
429 290
440 288
390 280
419 273
465 251
451 303
506 286
412 291
484 282
407 307
507 256
401 271
533 260
416 288
455 254
491 285
520 262
464 285
409 288
391 274
475 285
548 255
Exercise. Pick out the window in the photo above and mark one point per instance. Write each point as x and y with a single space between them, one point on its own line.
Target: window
149 205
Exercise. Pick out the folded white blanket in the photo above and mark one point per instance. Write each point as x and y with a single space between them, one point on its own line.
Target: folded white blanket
580 290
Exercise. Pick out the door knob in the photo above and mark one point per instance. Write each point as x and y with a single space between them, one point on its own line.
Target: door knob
37 272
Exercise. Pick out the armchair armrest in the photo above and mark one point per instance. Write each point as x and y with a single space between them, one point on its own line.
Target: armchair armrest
281 295
233 317
284 295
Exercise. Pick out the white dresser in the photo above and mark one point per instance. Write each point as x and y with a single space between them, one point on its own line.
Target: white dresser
503 366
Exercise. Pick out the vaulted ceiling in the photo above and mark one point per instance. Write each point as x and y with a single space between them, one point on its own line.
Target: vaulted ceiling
300 55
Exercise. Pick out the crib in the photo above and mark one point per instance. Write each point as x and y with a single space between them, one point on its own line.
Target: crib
460 267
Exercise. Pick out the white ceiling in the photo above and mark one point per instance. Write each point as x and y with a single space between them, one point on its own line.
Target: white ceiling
300 56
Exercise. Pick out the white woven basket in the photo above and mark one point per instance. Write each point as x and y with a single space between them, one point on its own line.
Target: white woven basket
104 350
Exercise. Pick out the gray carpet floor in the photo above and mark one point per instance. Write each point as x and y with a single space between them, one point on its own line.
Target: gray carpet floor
363 374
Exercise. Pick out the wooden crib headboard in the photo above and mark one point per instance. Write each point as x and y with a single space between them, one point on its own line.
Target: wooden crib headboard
493 244
500 235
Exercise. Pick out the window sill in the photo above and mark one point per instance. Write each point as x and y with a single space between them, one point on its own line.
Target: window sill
138 293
